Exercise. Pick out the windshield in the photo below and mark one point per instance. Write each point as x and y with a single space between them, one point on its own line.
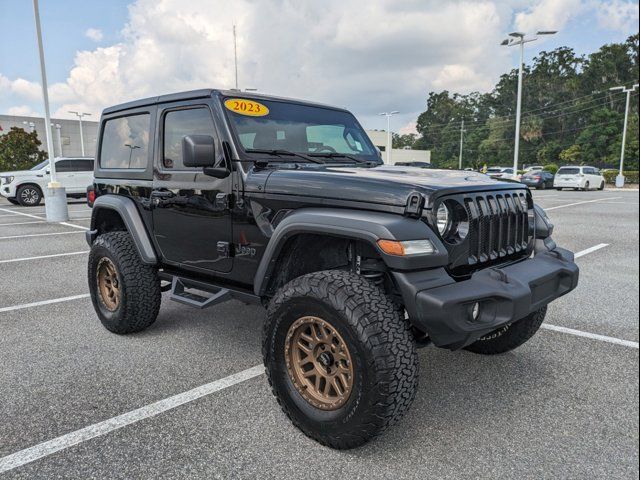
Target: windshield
569 171
309 130
40 166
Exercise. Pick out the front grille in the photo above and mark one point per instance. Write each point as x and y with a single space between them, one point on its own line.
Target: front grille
498 230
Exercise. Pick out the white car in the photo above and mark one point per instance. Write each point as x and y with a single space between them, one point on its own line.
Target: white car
502 173
579 178
26 187
534 168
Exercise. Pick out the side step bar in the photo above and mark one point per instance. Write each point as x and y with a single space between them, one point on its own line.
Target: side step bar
179 293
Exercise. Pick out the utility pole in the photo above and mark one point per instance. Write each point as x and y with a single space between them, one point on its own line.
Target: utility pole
80 115
389 138
620 178
56 196
461 143
235 54
519 39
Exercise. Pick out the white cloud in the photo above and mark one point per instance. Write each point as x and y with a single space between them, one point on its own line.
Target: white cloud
94 34
548 15
619 15
367 56
22 111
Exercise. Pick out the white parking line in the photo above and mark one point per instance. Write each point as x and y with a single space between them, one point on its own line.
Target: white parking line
41 234
581 203
66 224
50 447
42 302
591 250
593 336
25 259
20 223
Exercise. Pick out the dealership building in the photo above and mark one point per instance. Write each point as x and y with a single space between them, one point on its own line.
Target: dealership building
66 138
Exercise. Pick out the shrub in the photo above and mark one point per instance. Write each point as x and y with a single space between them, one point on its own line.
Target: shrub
631 176
551 168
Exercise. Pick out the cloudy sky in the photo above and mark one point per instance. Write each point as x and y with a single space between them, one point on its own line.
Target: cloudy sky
367 55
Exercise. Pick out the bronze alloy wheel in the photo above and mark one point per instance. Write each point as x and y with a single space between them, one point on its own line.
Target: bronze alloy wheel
319 363
108 284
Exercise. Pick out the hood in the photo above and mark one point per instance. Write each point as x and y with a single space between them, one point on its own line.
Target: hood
18 173
387 184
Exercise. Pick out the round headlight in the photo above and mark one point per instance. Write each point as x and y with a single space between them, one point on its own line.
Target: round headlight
443 219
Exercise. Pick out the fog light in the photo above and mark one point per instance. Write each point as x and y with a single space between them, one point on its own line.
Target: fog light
475 311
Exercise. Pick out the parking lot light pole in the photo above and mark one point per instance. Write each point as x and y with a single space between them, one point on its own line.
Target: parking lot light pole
56 196
389 141
519 39
80 115
628 91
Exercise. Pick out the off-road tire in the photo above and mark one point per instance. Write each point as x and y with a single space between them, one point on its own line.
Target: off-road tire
385 362
507 338
32 200
139 284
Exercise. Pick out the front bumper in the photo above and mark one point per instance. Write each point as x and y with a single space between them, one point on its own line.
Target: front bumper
442 307
8 191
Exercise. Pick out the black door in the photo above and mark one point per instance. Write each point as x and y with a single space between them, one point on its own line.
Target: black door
191 214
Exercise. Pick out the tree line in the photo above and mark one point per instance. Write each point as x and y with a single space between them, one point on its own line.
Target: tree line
569 115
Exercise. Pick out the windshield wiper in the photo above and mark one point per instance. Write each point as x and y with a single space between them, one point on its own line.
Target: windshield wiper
284 153
341 155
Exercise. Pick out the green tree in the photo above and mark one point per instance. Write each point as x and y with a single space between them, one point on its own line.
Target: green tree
406 140
20 150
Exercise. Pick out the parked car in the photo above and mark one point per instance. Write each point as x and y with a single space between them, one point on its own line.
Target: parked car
534 168
538 179
26 187
503 173
579 178
286 204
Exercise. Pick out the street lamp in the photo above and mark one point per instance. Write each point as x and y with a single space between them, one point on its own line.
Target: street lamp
57 126
56 196
388 148
519 38
80 115
628 91
131 149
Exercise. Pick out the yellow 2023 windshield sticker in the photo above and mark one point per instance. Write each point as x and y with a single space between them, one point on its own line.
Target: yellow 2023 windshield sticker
246 107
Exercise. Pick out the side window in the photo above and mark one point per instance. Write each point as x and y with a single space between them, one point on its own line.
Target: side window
125 142
64 166
85 165
177 125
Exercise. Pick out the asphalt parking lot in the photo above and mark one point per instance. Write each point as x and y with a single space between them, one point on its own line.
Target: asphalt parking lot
565 405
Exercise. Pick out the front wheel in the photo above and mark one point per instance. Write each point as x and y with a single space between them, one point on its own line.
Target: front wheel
510 336
29 196
340 357
601 187
125 292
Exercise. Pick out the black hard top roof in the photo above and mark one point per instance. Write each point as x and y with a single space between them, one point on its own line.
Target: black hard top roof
205 93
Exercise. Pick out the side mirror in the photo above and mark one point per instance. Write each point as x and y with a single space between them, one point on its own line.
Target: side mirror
198 151
47 171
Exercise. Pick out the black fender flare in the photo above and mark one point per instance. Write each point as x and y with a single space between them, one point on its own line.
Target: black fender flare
361 225
126 208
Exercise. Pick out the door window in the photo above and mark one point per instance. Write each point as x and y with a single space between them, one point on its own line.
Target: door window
177 125
125 142
65 166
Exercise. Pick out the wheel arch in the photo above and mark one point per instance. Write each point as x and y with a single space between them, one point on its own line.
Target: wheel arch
324 232
115 213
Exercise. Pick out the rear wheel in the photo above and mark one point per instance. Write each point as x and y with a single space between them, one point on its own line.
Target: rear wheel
125 292
29 195
510 336
340 357
601 187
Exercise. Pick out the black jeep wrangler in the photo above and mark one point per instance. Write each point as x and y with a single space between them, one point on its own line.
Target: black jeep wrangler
217 195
